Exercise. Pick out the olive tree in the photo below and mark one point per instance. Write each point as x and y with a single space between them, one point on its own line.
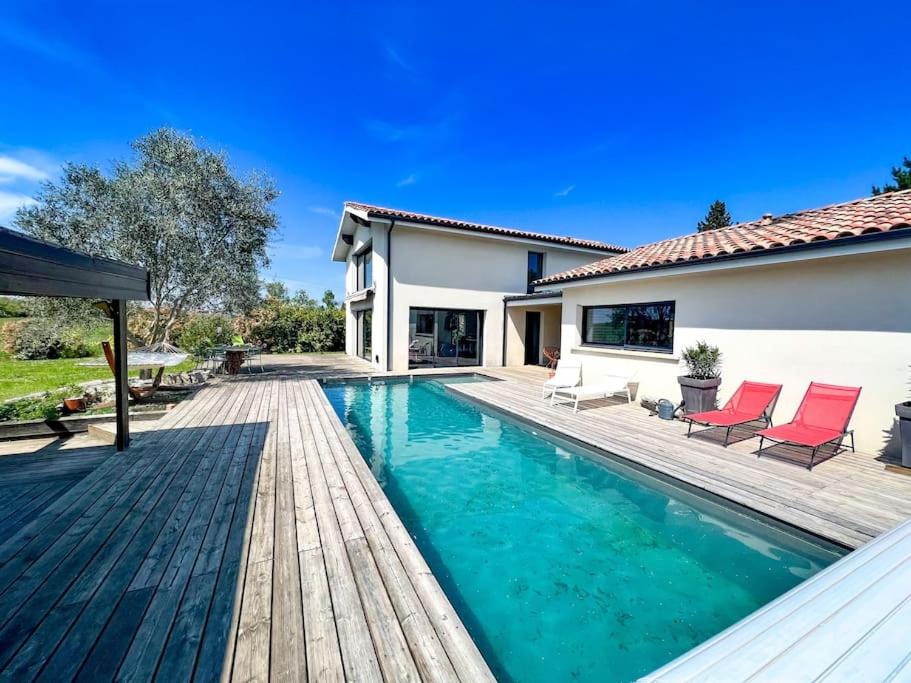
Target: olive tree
177 208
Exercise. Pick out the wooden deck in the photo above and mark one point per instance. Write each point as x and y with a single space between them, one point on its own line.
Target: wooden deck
244 537
849 498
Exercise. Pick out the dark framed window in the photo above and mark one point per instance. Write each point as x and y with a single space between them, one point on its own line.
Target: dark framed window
445 337
535 268
643 327
364 264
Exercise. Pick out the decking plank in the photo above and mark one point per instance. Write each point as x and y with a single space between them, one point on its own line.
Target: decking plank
358 655
251 650
288 661
463 655
236 538
202 494
389 641
100 583
65 561
429 654
324 657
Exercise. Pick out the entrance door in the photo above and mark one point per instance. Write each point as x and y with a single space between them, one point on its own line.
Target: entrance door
532 338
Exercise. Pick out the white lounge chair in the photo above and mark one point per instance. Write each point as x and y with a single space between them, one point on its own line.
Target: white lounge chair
568 374
607 385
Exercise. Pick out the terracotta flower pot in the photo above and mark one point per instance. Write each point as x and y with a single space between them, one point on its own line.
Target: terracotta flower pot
74 405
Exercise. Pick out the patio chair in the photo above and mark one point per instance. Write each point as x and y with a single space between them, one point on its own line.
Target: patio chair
752 402
568 374
215 358
607 385
552 356
253 353
822 418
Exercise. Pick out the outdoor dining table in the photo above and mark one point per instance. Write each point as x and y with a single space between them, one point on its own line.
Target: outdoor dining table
234 357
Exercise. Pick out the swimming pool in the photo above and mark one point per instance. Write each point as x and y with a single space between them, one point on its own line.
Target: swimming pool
563 564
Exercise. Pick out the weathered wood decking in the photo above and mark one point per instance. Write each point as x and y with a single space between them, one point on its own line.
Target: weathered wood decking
849 498
243 538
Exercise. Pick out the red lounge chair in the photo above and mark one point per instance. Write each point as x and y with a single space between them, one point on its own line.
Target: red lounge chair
752 402
822 418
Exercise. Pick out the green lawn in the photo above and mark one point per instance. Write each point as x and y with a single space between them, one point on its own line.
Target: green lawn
21 377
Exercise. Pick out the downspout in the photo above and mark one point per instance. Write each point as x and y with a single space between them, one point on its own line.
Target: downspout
503 359
389 319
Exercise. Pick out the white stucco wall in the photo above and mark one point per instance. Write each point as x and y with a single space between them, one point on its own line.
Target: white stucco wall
843 320
435 269
515 331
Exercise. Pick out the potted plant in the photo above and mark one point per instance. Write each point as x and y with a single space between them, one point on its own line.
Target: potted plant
699 386
74 404
903 410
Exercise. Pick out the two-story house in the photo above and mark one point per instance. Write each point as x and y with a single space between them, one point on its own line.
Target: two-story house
423 291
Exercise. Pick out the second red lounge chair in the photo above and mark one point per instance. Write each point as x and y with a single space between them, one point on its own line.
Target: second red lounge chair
821 418
752 402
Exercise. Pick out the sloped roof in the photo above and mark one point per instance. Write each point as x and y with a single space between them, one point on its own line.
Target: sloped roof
847 221
398 214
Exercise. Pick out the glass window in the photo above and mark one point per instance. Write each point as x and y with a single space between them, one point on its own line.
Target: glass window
535 268
444 337
636 326
366 336
364 264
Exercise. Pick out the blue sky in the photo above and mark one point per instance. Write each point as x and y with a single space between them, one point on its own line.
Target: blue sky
615 121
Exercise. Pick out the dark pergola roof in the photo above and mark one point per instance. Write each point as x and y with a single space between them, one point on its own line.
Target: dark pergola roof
32 267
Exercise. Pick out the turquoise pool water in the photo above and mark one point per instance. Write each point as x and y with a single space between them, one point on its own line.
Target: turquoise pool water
564 566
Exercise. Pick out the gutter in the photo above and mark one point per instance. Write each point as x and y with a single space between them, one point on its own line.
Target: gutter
389 296
894 233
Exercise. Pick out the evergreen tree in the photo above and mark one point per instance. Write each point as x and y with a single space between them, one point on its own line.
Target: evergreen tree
902 177
717 217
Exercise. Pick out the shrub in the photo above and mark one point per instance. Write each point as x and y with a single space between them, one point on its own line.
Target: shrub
42 338
9 333
284 327
12 308
44 407
702 361
204 330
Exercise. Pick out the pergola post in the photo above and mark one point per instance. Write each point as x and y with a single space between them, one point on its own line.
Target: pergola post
121 379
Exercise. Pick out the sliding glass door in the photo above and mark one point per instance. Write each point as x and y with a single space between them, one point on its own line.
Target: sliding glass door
364 321
441 337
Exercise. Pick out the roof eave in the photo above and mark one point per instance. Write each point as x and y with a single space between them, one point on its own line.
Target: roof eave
860 240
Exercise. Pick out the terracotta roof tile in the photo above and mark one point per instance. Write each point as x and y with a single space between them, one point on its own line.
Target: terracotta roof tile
882 213
383 212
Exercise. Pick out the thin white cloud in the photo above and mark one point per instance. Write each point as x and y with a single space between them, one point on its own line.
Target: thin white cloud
10 202
395 57
399 132
565 191
410 179
324 211
14 169
298 252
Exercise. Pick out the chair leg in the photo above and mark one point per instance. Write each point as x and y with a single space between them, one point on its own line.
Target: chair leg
727 435
852 441
689 430
576 406
629 396
812 458
761 441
